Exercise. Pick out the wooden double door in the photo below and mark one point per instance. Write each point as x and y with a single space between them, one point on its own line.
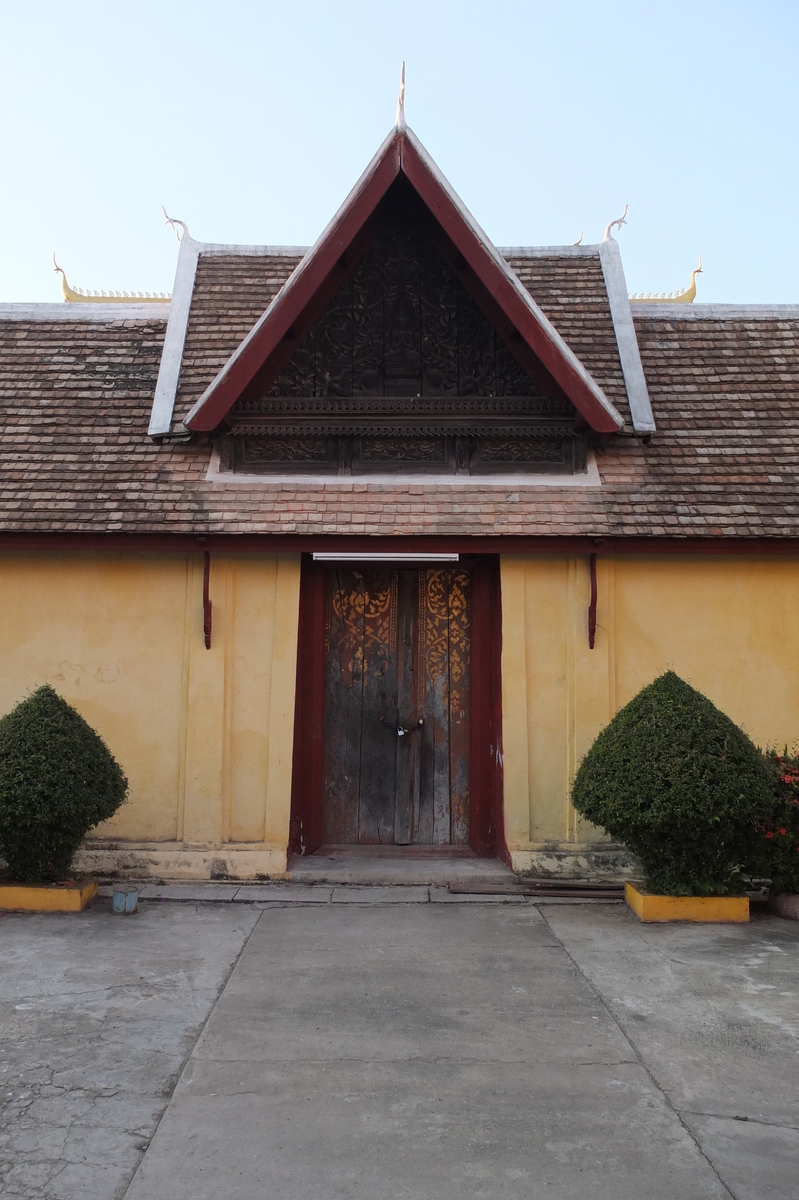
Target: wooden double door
397 675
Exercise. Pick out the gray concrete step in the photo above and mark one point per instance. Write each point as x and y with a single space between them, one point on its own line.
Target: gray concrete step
395 865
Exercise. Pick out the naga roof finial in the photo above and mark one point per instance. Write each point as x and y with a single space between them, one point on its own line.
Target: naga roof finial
579 241
65 288
686 296
78 296
174 222
400 121
617 224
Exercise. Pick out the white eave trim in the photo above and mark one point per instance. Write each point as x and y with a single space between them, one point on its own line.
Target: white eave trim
629 354
66 311
166 387
587 251
716 312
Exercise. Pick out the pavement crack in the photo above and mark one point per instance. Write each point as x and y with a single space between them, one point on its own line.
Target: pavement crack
642 1062
178 1075
689 1112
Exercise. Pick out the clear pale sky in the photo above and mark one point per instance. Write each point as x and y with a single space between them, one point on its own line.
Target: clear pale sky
251 121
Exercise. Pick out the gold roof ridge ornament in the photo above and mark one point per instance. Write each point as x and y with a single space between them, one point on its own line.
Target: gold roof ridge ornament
686 296
79 296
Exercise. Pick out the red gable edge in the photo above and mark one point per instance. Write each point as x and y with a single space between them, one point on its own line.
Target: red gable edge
328 262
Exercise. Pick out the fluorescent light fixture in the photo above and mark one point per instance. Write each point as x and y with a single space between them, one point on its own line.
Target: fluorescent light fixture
336 556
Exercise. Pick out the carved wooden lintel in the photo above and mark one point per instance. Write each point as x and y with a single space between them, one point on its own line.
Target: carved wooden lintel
415 451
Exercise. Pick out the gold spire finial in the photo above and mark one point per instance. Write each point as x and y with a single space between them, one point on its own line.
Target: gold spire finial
617 224
686 296
400 121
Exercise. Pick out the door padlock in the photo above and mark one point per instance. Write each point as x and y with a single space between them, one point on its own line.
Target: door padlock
398 729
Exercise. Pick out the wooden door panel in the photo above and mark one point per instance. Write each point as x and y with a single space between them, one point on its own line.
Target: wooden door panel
397 659
459 704
444 616
406 812
379 711
344 637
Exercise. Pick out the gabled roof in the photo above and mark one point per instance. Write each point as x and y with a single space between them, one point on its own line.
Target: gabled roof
483 271
77 384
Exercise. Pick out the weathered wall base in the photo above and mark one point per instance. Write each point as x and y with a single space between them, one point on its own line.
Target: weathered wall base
575 860
181 860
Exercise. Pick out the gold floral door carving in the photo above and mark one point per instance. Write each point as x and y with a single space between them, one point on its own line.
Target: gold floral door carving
396 764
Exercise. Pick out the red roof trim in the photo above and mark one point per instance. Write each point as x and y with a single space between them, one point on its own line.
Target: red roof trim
727 545
327 263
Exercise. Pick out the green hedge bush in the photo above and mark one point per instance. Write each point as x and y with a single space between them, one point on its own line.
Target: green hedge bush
681 785
776 854
57 780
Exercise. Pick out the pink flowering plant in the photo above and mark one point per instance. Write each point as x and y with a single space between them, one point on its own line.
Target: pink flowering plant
778 848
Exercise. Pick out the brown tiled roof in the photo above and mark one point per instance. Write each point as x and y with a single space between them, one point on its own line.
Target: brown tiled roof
76 398
572 294
230 294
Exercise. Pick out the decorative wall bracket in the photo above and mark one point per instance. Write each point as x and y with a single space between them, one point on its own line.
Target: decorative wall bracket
207 599
592 603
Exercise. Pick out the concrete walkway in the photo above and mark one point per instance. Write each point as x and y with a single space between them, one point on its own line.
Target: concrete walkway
386 1047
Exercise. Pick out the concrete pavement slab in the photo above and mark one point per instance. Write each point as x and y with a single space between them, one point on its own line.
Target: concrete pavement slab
377 978
97 1016
193 892
442 896
380 895
760 1162
282 893
412 1131
412 1051
714 1013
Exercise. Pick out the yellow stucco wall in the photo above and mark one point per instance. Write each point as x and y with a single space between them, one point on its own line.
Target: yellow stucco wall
726 625
205 736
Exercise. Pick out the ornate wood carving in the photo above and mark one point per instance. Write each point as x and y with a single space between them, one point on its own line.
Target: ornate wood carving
402 325
521 450
403 449
283 450
403 371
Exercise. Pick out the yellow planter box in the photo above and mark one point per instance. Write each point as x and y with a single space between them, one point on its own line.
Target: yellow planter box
54 897
649 907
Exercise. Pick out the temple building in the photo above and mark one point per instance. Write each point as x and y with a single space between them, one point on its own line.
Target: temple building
363 544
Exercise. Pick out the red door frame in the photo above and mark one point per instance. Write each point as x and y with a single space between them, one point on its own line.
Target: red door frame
487 833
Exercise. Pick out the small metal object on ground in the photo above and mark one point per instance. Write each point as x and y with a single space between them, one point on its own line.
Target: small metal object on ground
125 900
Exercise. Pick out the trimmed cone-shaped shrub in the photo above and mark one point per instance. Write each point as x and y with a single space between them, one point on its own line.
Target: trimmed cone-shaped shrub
681 785
57 780
776 856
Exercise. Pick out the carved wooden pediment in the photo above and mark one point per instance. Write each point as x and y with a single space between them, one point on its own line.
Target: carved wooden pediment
402 371
403 301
